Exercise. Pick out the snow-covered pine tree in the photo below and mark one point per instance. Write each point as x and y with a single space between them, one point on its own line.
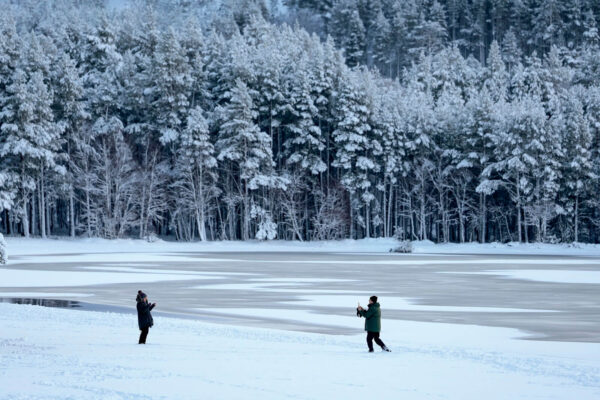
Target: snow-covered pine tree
193 45
578 169
511 51
246 150
3 250
70 115
478 155
355 148
524 155
196 164
383 44
304 142
548 26
114 177
419 127
348 30
589 71
393 153
450 112
29 143
9 57
496 75
172 89
430 34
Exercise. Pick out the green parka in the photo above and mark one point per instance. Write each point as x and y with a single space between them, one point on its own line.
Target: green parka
372 318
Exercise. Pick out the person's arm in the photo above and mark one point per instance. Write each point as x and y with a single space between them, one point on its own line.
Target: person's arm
151 306
367 313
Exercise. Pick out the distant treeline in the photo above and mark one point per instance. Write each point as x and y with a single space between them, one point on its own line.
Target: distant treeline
233 125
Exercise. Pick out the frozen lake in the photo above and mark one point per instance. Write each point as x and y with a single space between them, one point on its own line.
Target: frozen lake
545 297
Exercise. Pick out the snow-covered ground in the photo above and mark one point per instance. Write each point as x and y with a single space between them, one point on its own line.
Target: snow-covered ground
21 246
60 354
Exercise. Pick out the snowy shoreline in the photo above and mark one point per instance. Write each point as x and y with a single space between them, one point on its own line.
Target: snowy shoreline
34 246
59 354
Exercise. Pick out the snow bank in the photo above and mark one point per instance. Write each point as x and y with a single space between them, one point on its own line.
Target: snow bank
516 248
22 247
60 354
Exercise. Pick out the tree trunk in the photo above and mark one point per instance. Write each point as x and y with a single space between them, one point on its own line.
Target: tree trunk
200 207
392 212
246 214
367 220
576 219
49 219
25 216
35 209
422 217
519 218
142 210
483 216
88 209
351 219
42 204
71 212
384 210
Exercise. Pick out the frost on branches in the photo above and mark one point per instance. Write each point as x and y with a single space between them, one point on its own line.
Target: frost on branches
225 123
3 250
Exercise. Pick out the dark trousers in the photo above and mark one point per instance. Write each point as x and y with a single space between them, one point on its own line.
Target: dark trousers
370 337
143 336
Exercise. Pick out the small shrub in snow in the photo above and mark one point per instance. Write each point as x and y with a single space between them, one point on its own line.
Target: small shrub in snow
267 229
3 251
552 239
404 246
152 238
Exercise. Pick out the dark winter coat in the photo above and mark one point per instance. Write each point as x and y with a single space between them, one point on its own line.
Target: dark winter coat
144 317
372 318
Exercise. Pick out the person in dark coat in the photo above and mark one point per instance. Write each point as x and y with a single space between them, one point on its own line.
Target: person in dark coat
145 320
372 323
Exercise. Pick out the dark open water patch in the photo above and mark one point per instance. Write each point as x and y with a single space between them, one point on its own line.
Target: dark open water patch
84 306
77 305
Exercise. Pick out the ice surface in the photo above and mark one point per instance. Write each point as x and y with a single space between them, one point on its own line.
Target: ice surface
44 294
544 275
398 303
42 278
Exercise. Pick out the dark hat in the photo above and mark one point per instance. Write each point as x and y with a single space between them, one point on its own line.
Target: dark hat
373 299
140 296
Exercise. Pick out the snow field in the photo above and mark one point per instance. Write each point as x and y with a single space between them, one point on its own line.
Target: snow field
60 354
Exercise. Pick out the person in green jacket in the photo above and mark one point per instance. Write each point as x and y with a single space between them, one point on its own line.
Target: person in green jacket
372 323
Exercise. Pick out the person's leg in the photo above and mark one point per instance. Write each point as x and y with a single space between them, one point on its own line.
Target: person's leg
380 342
143 336
377 340
370 341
